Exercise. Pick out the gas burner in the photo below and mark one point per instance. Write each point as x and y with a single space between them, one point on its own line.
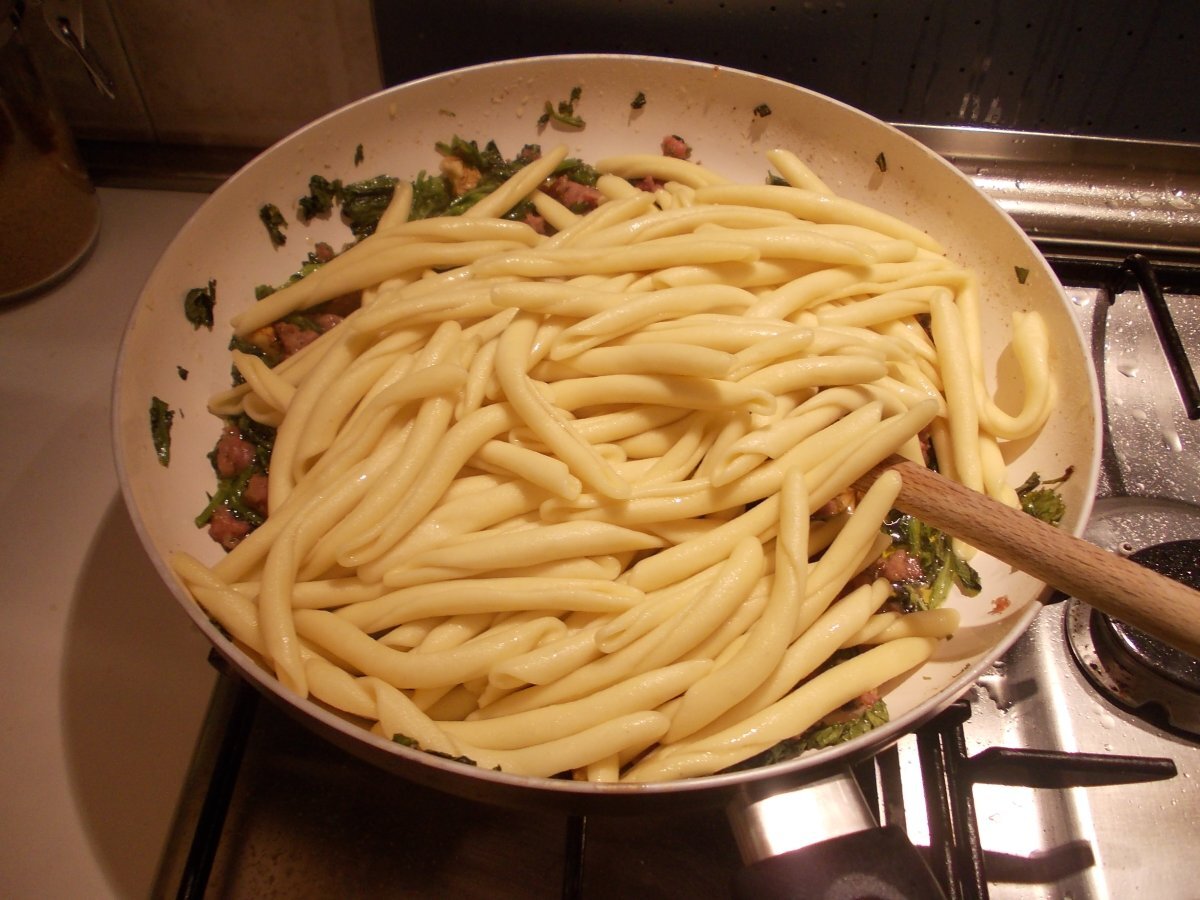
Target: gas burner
1128 666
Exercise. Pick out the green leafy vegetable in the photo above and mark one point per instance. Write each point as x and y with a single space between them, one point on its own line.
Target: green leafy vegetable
578 171
434 195
470 153
161 417
942 568
1022 274
261 436
358 154
564 114
310 264
1040 499
431 195
881 162
182 372
639 101
230 491
762 111
322 195
244 346
198 305
229 495
363 202
274 221
839 732
823 734
405 741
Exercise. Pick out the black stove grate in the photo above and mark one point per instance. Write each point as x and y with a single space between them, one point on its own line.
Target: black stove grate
210 824
1154 280
949 774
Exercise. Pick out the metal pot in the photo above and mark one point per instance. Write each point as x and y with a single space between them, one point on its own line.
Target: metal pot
731 117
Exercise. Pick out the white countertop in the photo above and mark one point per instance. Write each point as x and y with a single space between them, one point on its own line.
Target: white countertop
105 680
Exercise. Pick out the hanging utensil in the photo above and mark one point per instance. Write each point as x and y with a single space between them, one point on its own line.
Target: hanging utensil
64 18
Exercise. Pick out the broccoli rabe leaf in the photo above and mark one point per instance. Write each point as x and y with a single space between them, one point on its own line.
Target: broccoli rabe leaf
1040 499
230 491
268 356
578 171
323 194
941 566
229 495
405 741
434 195
310 264
823 734
198 305
839 732
363 202
564 113
161 417
274 221
469 152
431 196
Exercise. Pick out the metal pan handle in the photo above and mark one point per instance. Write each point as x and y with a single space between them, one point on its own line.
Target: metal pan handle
821 840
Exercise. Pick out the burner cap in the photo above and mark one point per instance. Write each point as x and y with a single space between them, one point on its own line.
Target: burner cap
1175 559
1134 670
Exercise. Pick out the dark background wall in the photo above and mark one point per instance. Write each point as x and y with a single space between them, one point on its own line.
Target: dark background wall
1118 68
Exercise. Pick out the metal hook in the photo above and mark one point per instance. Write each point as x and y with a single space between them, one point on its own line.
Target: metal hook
65 20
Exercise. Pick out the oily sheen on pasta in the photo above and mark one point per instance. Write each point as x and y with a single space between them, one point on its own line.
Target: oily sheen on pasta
547 502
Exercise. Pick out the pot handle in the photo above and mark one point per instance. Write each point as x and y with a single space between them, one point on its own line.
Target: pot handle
821 840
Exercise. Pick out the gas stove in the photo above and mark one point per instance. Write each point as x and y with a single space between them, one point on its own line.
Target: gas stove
1118 821
1072 767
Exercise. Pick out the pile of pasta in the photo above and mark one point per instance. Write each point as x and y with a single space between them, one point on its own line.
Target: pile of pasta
546 502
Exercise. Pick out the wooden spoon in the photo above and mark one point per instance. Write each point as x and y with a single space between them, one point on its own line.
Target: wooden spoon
1159 606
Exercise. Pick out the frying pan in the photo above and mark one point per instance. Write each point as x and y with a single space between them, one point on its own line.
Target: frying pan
731 118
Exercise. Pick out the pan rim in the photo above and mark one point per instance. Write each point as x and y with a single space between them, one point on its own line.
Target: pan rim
818 761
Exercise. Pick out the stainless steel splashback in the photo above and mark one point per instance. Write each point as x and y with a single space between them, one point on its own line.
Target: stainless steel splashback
1114 68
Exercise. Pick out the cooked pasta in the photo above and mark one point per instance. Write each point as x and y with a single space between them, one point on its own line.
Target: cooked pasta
579 502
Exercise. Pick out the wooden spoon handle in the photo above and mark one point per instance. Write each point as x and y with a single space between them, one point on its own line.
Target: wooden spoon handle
1160 606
